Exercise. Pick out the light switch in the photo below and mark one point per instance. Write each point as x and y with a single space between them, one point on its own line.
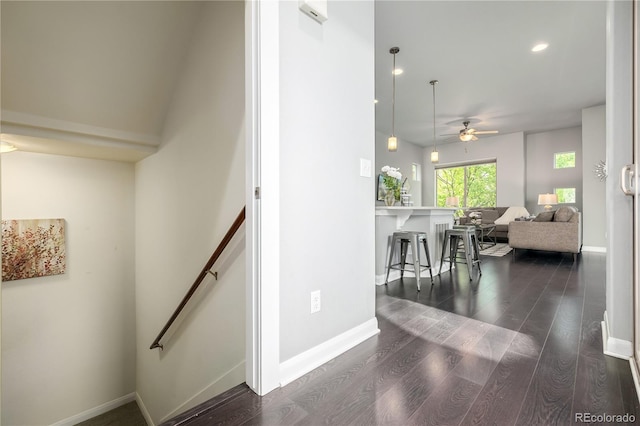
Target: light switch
365 167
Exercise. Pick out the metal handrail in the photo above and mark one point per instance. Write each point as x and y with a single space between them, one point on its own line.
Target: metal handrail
206 270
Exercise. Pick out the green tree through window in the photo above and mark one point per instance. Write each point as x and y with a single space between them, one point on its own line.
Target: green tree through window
473 184
563 160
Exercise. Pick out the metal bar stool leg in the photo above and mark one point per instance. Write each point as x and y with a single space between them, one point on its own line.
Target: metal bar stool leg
403 256
466 240
415 252
426 252
445 241
390 262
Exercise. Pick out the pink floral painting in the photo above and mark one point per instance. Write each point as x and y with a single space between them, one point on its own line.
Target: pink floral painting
32 248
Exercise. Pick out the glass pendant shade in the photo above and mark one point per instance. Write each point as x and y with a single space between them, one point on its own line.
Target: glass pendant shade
434 156
466 137
392 144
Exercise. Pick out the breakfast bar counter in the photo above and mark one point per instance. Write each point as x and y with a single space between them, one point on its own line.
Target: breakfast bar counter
432 220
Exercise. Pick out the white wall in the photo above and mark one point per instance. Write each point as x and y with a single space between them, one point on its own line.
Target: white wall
406 155
541 176
187 196
594 229
619 207
508 150
68 341
327 210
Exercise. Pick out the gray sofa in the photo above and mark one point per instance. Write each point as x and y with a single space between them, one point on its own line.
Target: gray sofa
559 230
489 215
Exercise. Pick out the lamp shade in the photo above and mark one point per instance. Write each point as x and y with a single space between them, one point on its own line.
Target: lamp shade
547 200
434 156
452 202
392 143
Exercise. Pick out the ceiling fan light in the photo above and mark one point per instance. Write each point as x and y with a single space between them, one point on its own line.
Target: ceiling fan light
392 144
466 137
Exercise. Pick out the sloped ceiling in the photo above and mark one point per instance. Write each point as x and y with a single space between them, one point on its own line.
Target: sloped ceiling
91 74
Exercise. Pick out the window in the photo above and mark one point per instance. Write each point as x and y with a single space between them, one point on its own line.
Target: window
566 195
415 172
563 160
474 184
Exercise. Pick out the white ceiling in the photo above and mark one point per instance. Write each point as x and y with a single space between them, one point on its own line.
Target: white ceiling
480 53
92 74
95 79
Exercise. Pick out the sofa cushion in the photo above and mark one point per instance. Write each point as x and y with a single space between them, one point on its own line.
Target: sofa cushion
564 214
489 216
545 216
511 214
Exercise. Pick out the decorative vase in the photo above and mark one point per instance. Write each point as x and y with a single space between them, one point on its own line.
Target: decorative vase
389 198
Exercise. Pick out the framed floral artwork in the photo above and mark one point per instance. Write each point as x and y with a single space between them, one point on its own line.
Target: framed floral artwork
32 248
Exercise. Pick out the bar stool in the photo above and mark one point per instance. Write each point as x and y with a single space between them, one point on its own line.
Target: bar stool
471 248
412 239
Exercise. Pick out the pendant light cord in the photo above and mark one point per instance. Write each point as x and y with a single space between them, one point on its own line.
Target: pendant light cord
393 98
433 84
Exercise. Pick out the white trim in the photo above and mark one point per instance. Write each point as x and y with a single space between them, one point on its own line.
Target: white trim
262 77
96 411
611 346
231 378
636 375
144 411
594 249
393 275
301 364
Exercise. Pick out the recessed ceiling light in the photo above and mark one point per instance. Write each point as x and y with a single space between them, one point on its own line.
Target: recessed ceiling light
397 71
539 47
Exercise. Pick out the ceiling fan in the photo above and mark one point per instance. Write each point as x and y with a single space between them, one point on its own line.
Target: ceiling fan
467 134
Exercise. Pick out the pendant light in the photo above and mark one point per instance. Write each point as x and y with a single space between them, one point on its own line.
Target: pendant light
434 153
392 142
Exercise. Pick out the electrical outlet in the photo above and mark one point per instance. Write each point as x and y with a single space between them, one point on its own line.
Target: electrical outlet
315 301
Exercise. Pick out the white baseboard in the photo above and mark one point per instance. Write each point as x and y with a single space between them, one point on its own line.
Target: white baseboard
611 346
96 411
594 249
144 411
636 376
393 275
231 378
301 364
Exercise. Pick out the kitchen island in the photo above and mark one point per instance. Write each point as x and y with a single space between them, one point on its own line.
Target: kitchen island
432 220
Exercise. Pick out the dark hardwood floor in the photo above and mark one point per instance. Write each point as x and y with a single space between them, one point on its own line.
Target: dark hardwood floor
521 345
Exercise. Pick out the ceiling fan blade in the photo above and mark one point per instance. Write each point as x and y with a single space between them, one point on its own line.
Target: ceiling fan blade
485 132
449 134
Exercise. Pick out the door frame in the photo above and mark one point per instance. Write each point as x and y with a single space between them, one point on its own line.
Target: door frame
262 124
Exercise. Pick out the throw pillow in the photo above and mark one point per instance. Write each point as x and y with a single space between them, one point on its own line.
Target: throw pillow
545 216
511 214
564 214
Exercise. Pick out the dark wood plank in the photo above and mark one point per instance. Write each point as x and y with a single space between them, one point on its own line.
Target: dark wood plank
502 395
449 404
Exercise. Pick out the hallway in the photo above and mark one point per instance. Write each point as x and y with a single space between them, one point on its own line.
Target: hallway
521 345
